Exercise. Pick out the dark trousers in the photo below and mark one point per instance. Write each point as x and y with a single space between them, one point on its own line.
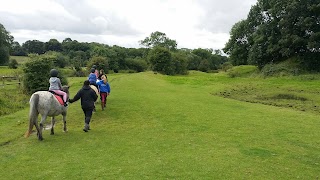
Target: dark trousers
87 115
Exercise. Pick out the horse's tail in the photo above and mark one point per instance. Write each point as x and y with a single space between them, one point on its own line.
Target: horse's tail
33 114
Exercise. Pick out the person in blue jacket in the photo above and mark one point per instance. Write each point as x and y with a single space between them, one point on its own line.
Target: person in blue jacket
92 77
104 89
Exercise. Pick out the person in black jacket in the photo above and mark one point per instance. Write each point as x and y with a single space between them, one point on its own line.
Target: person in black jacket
88 97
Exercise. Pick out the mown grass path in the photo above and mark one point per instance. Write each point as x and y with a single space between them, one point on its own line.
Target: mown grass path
161 127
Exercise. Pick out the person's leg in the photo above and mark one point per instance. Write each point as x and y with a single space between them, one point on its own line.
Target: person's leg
63 94
88 115
103 99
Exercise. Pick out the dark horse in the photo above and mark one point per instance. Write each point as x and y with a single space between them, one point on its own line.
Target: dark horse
46 104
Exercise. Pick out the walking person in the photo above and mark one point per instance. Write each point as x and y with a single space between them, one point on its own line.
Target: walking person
88 97
93 77
101 73
56 87
104 89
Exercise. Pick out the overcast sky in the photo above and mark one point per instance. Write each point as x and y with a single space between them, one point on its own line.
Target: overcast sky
192 23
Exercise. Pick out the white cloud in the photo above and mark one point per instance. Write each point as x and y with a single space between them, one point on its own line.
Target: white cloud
192 23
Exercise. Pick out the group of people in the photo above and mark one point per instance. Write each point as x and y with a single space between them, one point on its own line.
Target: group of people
87 95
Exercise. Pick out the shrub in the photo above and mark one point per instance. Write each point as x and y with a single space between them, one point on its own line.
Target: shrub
161 60
285 68
226 66
241 71
13 64
100 62
78 72
37 74
180 63
137 64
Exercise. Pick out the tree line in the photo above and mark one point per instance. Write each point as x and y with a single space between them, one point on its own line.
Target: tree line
276 30
157 53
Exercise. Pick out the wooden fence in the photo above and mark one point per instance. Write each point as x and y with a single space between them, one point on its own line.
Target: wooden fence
10 80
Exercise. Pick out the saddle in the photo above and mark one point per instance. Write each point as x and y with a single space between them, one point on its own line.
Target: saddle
58 97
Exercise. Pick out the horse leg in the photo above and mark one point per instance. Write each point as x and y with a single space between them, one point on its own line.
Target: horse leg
37 128
52 125
64 117
43 119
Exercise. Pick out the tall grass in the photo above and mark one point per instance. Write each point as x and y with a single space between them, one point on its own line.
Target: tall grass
168 127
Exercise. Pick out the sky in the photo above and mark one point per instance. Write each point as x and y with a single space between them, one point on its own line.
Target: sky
192 23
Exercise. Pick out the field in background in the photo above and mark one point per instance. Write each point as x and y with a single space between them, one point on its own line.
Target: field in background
172 127
20 59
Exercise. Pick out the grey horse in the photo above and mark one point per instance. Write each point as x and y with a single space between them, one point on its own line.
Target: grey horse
46 104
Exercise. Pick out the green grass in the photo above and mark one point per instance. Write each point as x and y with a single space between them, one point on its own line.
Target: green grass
20 59
5 71
170 127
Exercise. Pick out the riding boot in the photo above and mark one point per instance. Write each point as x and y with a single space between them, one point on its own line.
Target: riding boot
86 127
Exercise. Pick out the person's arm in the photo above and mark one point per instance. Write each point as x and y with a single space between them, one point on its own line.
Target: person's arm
76 97
108 88
59 84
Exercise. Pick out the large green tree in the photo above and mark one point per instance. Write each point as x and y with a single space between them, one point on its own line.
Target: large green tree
34 46
17 50
53 45
5 44
160 60
159 39
276 30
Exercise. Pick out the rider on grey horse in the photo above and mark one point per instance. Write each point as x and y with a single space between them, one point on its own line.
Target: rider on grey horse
56 87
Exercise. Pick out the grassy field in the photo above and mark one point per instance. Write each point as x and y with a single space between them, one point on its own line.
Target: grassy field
173 127
20 59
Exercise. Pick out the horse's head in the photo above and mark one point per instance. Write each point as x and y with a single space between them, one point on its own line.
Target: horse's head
66 89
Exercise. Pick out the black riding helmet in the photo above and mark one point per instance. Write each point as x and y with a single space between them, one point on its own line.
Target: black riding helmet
54 73
94 66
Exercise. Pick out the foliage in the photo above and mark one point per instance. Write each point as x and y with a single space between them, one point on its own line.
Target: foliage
137 64
13 64
37 74
79 72
161 60
180 63
53 45
274 31
285 68
12 99
17 50
5 43
100 62
242 71
204 60
159 39
34 46
226 66
59 60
